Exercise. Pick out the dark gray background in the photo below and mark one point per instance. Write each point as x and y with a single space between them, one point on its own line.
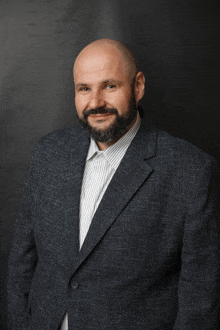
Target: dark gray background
176 44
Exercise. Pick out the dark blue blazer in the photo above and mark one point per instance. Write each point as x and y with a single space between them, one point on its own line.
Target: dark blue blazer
151 257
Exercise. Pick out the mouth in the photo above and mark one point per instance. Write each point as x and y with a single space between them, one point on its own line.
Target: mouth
100 116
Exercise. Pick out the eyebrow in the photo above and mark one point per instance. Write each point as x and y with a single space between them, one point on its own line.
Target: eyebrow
111 81
82 85
104 82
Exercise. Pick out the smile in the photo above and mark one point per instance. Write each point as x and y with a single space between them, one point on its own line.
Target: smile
100 116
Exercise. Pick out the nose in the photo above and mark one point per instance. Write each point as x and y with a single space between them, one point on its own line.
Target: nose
96 100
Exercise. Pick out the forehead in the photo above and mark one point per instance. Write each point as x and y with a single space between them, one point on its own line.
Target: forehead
99 65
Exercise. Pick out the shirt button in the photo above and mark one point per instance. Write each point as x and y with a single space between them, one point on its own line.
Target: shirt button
74 285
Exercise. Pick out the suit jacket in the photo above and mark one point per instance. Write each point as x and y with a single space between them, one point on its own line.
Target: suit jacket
151 256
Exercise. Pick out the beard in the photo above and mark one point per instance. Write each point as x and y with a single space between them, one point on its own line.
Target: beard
117 128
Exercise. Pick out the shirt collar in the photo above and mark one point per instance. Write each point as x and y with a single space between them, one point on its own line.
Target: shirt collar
115 152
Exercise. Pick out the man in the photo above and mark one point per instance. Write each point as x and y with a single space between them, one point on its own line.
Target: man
120 225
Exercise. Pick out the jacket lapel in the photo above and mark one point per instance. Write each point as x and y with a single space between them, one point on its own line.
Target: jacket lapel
72 185
131 173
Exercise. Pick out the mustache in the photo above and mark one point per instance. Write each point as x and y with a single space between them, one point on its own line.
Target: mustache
100 110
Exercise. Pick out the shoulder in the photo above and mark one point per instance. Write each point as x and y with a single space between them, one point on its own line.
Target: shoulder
178 150
62 140
57 150
187 166
187 170
174 155
63 136
170 149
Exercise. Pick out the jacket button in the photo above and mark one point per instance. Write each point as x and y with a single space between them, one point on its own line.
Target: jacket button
74 285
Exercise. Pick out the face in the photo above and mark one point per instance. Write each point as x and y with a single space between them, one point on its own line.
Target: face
104 98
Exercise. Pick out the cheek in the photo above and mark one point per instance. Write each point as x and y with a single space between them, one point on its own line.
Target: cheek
120 101
123 105
80 104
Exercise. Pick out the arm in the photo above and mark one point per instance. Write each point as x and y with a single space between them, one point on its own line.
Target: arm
199 287
22 263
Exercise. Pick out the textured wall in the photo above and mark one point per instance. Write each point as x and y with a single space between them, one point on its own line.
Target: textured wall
176 44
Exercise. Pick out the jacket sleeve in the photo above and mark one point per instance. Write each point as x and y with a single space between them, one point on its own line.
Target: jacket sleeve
22 262
198 290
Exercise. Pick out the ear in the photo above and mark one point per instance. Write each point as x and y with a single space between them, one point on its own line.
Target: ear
139 86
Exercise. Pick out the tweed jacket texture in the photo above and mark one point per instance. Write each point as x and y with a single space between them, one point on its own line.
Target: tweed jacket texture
151 257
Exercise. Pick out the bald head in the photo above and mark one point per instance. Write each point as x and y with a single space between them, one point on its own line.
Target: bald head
109 47
107 90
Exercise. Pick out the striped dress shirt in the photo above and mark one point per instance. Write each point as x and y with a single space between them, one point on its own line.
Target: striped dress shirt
99 169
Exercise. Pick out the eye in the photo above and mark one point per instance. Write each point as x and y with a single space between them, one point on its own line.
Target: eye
84 89
110 86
